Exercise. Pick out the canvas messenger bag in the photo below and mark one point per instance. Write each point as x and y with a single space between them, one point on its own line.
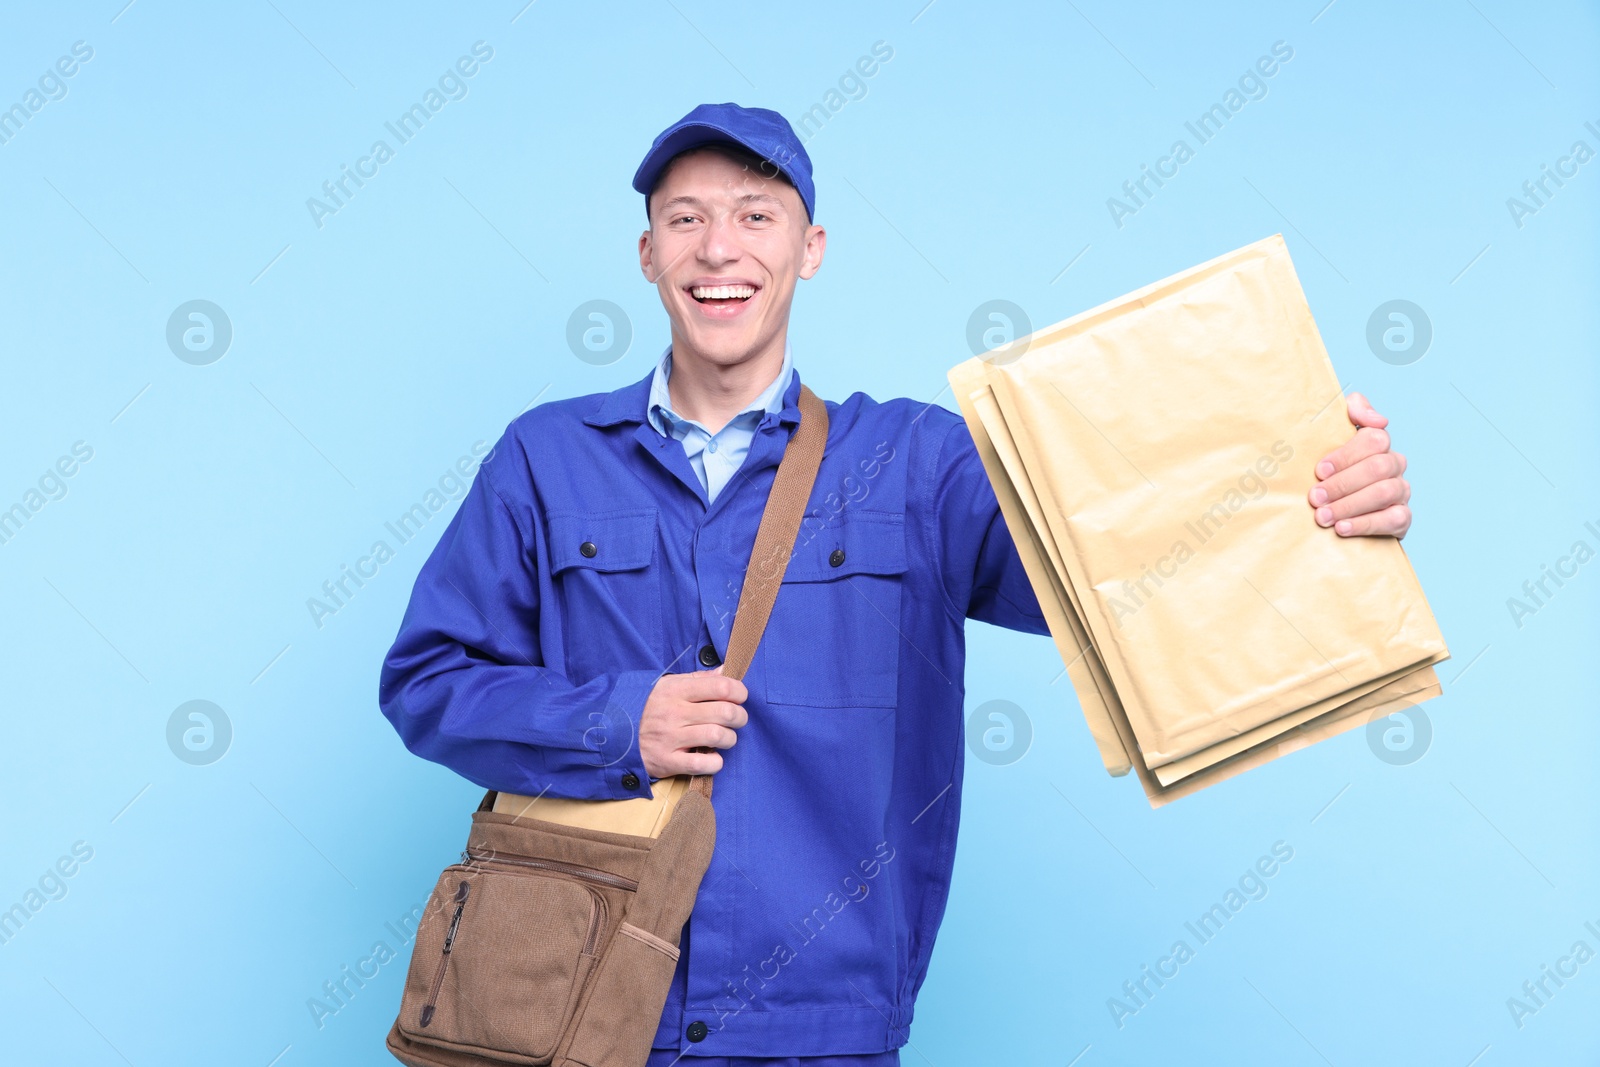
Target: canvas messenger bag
555 938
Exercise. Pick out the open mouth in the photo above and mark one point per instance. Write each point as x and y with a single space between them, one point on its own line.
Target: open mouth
723 296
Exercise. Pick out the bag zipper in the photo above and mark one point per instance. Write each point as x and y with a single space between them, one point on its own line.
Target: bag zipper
462 891
588 874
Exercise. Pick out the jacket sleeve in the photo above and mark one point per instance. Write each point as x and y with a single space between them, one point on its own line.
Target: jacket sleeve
466 684
983 575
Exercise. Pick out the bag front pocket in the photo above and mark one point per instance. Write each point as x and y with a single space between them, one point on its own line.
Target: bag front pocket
500 960
624 1010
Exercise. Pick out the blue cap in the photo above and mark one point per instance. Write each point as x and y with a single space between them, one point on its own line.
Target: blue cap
766 133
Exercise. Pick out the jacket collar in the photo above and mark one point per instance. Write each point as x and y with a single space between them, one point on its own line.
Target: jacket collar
631 402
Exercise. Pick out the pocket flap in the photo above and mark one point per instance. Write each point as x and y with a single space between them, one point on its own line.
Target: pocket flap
607 541
859 542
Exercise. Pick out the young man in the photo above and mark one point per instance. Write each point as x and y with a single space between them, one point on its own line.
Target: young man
564 636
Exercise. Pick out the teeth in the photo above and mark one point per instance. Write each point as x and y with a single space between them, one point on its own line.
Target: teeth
722 292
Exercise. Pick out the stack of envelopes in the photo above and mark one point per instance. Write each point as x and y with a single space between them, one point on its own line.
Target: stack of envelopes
1152 458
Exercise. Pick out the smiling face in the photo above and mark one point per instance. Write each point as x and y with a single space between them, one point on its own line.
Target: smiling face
724 249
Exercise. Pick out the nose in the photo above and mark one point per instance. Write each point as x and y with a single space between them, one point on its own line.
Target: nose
719 242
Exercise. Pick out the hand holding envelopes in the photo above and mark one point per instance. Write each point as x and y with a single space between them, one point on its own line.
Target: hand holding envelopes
1152 458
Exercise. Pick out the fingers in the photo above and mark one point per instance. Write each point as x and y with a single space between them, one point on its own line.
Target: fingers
719 712
693 751
711 685
1368 441
707 735
1392 521
698 759
697 749
1359 490
1357 476
1364 501
685 762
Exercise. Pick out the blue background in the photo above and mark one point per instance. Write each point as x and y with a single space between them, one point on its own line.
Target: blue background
372 352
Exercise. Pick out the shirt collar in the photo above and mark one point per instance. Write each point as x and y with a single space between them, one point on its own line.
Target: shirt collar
659 406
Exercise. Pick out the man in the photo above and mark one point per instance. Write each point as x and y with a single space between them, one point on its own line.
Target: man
565 635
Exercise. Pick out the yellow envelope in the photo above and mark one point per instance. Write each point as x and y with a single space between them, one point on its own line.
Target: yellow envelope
1152 458
639 816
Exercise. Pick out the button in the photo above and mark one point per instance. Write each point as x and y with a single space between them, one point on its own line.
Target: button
630 781
711 445
588 549
836 557
697 1031
709 657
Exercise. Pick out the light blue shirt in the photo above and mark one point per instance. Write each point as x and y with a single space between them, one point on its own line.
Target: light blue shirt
715 457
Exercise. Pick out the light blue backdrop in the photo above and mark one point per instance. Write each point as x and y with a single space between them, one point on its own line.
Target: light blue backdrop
370 353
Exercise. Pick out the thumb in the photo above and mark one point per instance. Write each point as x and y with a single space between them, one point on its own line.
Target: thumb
1362 413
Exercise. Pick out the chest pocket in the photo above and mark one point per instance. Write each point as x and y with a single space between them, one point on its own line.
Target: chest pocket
834 637
605 571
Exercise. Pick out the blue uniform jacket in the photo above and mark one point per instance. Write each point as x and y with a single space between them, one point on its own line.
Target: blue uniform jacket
584 562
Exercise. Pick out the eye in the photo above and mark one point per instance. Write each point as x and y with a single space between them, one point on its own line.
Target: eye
758 217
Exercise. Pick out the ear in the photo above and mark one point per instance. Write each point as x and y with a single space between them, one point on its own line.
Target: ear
647 257
816 245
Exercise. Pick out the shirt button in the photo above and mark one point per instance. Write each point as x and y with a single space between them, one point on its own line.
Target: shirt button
697 1031
630 781
711 445
588 549
836 557
708 656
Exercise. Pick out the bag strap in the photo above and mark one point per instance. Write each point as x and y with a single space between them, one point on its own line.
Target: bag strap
775 542
775 537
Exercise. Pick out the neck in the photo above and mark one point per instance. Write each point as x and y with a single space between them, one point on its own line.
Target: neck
712 393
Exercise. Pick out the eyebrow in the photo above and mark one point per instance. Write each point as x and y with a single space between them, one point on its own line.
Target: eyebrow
694 201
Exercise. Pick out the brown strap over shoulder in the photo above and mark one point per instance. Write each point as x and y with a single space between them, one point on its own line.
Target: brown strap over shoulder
775 537
775 541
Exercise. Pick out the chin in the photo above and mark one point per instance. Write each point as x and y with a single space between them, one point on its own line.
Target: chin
723 346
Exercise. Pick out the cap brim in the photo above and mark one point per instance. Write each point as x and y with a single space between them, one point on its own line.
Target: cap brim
681 140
